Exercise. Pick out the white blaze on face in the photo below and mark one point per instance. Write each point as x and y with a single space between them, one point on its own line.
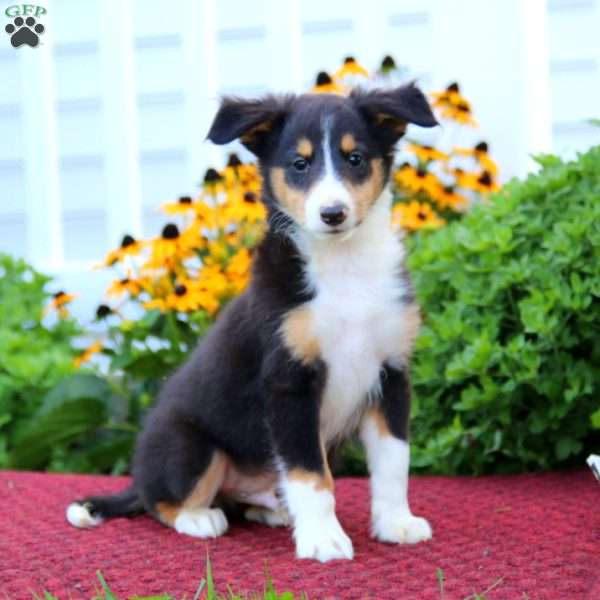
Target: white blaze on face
328 191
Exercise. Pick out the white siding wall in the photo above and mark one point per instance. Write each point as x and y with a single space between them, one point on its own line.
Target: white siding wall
106 119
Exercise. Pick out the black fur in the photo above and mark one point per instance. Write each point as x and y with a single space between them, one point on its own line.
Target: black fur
395 400
241 391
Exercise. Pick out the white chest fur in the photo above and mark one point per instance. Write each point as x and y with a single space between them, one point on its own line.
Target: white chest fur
356 314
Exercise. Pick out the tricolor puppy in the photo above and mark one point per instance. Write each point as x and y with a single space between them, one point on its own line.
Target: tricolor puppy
316 348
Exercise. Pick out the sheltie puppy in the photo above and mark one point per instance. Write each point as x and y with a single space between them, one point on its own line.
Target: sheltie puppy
314 350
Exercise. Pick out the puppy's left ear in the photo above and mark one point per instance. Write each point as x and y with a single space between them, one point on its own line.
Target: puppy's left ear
254 122
388 112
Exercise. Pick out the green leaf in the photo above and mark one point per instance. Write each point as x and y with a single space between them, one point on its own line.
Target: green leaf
80 385
63 423
595 419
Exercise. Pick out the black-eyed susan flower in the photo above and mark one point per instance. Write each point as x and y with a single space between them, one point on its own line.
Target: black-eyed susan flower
388 65
415 215
59 303
453 105
173 245
87 354
416 180
350 69
129 247
212 279
213 187
184 204
103 311
426 153
448 198
238 270
248 209
185 296
325 85
486 183
461 113
450 95
126 285
483 182
481 154
233 171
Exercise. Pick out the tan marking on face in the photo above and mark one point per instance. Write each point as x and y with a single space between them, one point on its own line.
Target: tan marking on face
366 193
304 147
202 494
412 324
297 334
292 200
379 421
348 143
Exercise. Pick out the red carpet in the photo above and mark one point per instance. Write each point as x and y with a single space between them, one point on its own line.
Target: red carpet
539 533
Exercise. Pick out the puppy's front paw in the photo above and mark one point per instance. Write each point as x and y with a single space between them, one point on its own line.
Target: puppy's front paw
323 541
202 522
401 528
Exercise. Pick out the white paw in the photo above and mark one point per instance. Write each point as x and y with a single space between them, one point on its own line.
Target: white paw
401 528
323 540
79 516
272 518
202 522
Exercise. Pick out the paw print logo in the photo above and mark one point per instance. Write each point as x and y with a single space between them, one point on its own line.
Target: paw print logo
24 32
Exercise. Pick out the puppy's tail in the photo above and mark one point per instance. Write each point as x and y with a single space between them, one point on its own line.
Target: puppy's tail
90 512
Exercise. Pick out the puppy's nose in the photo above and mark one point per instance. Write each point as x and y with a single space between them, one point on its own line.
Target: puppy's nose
334 215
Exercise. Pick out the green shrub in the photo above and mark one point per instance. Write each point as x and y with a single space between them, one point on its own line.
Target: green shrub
506 372
33 356
50 416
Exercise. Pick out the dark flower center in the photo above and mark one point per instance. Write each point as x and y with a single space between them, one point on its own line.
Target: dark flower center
234 160
485 178
323 79
170 232
428 148
421 173
482 147
388 62
211 176
127 240
103 311
463 106
180 290
59 294
453 87
449 189
185 200
421 216
250 197
349 59
125 281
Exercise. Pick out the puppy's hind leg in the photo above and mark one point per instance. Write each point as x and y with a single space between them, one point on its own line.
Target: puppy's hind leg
194 516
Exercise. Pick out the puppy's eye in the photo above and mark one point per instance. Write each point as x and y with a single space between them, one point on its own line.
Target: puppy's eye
300 164
355 158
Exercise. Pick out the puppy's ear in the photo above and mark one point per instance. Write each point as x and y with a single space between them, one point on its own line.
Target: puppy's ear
389 111
254 122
